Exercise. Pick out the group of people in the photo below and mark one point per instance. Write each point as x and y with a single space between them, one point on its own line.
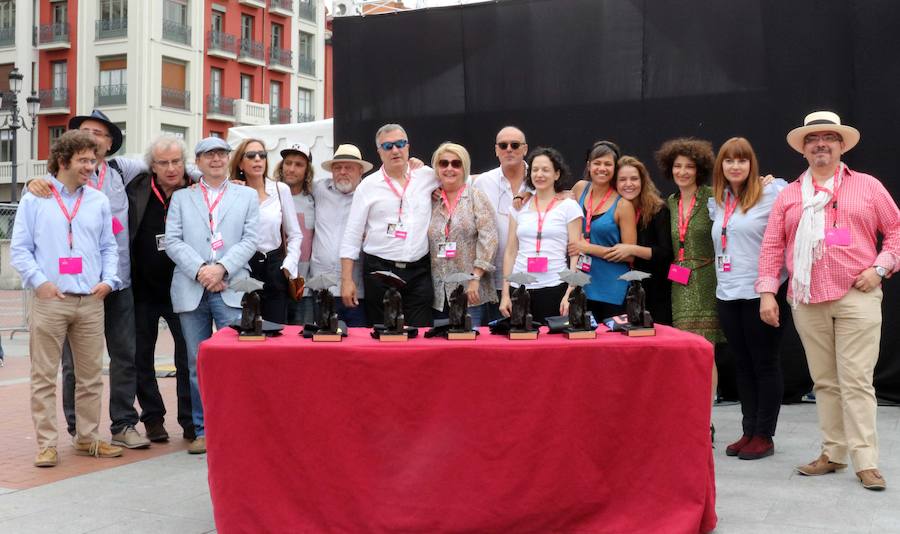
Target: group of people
724 252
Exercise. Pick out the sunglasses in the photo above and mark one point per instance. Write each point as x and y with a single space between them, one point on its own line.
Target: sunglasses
261 154
503 145
387 146
455 163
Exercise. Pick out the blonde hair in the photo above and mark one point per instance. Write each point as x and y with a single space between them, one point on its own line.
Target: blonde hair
737 148
458 151
649 202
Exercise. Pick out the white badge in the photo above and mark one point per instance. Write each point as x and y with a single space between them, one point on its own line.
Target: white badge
447 249
584 262
723 263
160 242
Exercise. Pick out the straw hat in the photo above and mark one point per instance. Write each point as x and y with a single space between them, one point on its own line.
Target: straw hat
823 121
345 153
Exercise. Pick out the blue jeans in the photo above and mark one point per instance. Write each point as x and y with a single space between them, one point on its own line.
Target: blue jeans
196 326
477 313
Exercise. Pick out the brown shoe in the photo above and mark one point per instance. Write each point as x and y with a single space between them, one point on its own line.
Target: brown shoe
820 466
98 449
198 446
735 448
46 458
871 479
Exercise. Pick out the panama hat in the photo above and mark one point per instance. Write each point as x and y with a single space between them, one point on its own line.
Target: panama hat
823 121
114 132
345 153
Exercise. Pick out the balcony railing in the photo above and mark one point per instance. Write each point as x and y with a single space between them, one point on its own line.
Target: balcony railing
110 95
307 66
250 113
7 36
280 56
283 5
308 10
112 28
305 117
279 115
251 49
219 105
7 97
57 97
221 41
174 98
176 32
51 33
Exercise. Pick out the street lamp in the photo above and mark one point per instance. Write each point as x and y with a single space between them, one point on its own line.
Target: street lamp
13 123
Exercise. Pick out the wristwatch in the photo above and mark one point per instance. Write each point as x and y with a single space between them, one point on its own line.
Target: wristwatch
881 271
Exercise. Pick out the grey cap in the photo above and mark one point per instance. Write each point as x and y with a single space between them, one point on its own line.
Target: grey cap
211 143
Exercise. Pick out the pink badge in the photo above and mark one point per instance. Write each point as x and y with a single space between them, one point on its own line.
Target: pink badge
117 226
537 264
679 274
70 265
839 237
400 234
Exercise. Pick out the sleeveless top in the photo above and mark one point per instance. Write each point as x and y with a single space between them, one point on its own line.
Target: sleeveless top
605 285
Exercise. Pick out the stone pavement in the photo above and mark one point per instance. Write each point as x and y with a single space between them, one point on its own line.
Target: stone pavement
163 489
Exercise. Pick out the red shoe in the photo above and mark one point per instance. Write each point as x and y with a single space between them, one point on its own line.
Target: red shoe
735 448
759 447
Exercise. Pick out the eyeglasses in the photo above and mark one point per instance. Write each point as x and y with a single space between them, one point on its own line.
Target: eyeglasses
387 146
169 163
828 138
261 154
98 133
503 145
455 163
218 153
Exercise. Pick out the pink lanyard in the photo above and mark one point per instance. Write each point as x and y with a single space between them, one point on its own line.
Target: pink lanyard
214 204
589 210
540 224
399 194
683 223
162 201
729 211
450 208
834 194
69 218
101 176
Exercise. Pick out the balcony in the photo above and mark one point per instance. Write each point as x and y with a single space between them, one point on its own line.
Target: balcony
252 52
176 32
54 100
221 44
305 117
175 99
253 3
308 10
112 28
280 59
307 66
7 36
220 108
51 36
110 95
282 7
279 115
250 113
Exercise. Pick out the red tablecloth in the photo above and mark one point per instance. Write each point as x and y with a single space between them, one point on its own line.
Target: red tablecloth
606 435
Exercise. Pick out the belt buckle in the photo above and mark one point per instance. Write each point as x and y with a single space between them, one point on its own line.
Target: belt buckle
400 265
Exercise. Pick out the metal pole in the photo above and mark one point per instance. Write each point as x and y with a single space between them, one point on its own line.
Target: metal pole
14 193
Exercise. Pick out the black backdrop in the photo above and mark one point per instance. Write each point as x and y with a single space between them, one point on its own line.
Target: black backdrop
569 72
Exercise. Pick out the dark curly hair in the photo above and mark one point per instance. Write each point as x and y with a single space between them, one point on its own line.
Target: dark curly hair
559 165
697 150
65 148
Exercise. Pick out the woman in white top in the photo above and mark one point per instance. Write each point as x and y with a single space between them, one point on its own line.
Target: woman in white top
538 237
273 263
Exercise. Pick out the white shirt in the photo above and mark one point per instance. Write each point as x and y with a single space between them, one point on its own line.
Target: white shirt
273 212
496 187
305 206
554 239
375 206
332 212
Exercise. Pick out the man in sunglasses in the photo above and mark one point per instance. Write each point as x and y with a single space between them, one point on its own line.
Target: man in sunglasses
389 217
502 185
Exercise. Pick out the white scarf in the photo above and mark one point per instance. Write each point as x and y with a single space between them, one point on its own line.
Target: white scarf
809 242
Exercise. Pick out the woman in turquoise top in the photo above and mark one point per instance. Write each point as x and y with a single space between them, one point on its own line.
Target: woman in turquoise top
608 222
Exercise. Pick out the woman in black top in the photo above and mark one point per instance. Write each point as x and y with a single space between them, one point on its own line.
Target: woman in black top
653 251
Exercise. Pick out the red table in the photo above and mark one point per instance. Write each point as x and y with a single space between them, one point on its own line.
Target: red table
606 435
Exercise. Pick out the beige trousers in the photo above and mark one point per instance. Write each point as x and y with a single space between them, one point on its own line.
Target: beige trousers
841 339
81 319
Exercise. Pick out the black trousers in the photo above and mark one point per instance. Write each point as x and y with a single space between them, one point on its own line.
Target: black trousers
146 319
267 269
545 301
755 348
602 310
418 294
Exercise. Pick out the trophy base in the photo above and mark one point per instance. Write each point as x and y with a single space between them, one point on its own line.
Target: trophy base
393 338
251 337
462 336
329 337
581 334
639 331
523 335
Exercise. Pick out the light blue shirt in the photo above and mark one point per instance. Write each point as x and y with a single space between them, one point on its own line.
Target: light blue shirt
745 235
40 239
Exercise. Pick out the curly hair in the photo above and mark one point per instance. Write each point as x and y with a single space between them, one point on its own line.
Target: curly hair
65 148
237 157
649 202
697 150
559 165
306 185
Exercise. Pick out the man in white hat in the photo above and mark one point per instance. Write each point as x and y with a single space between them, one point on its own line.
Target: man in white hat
334 196
825 225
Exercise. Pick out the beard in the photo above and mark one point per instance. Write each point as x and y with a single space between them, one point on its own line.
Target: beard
344 187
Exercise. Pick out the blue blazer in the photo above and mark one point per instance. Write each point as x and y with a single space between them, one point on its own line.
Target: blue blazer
188 241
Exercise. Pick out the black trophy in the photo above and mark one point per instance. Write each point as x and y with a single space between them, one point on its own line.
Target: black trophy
639 322
326 326
520 323
579 326
394 327
459 324
252 327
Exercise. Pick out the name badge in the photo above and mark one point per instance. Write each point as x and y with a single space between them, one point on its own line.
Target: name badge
396 229
447 249
679 274
70 265
839 237
723 263
217 242
584 262
537 264
160 242
117 226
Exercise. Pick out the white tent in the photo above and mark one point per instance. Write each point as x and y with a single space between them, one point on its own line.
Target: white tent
318 135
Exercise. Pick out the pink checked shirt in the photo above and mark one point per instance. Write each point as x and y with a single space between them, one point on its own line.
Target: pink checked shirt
864 206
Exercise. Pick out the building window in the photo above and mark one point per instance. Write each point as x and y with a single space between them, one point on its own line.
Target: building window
215 134
175 22
112 20
55 133
305 106
7 14
277 30
246 87
176 131
5 145
60 74
275 94
113 85
307 54
176 11
59 12
218 22
215 81
247 27
174 85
